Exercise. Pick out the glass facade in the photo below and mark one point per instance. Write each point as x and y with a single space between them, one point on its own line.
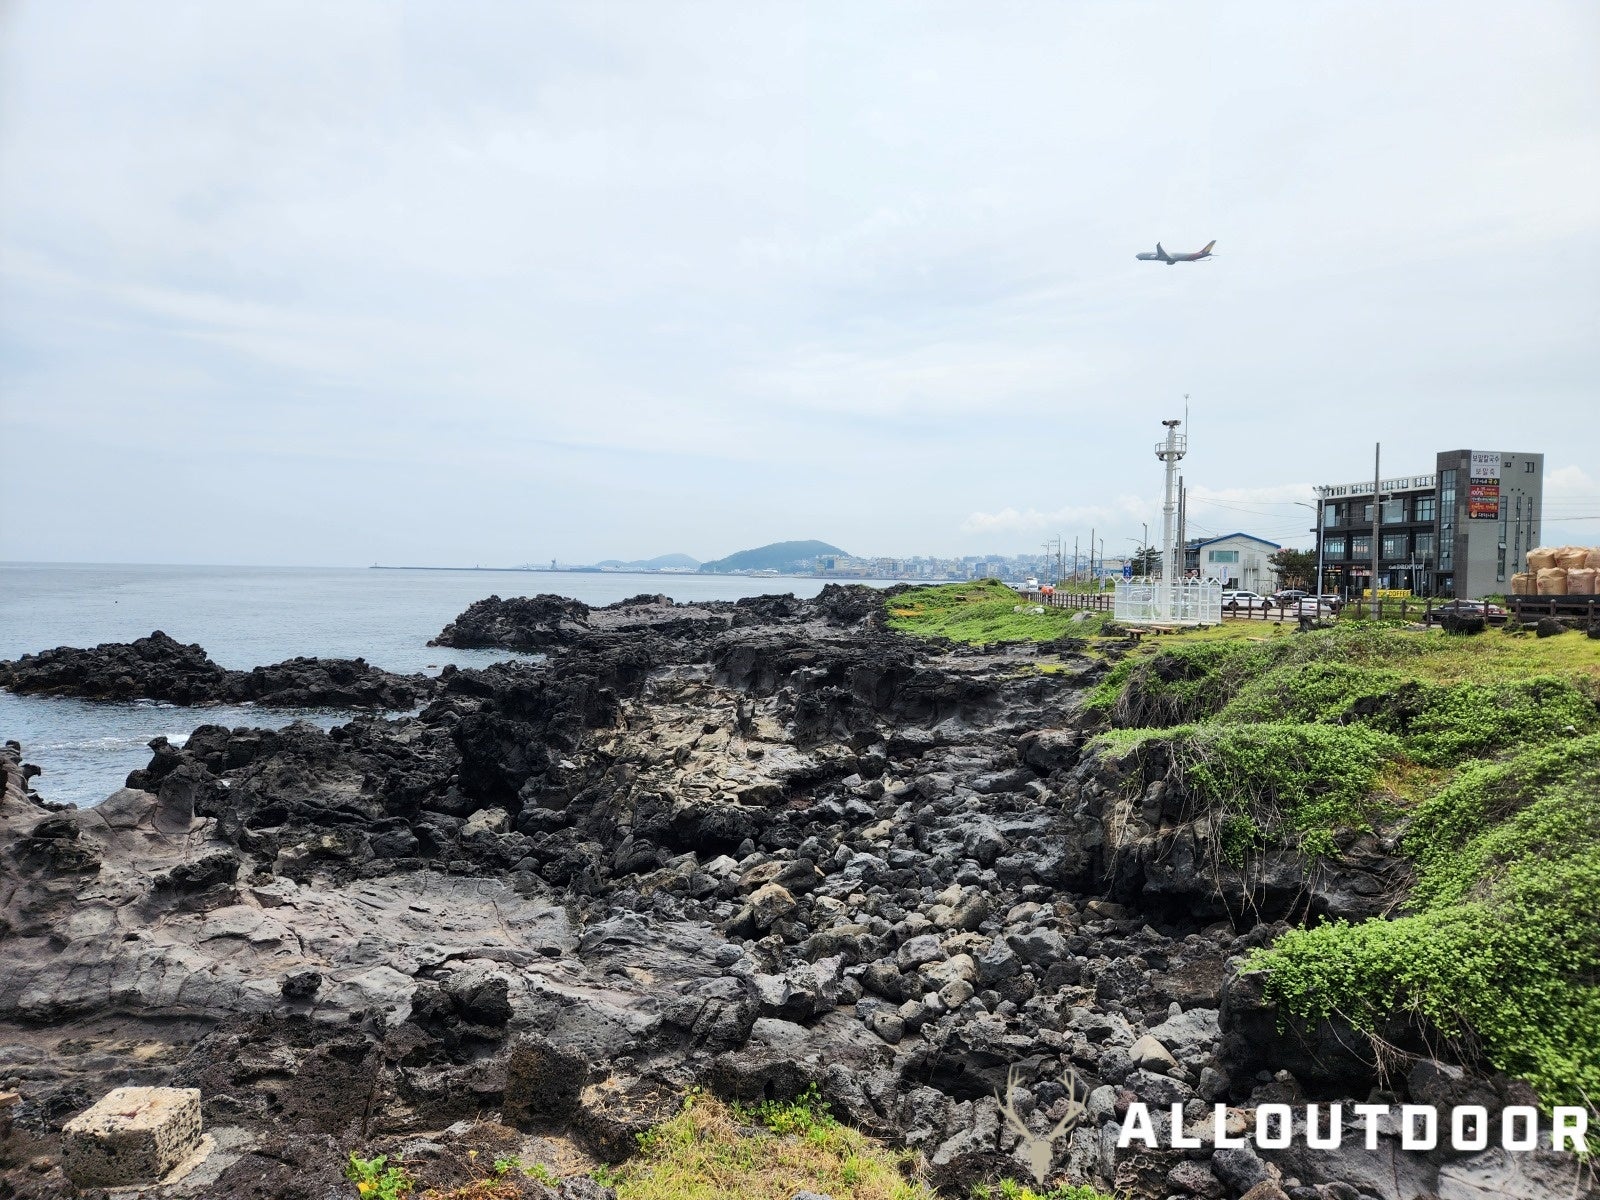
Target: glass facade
1394 546
1425 508
1447 519
1361 548
1333 547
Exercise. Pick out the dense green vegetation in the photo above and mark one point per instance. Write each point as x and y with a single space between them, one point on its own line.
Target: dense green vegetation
986 611
1483 753
1503 940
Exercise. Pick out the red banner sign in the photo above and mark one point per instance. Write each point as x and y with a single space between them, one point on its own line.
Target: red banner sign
1483 501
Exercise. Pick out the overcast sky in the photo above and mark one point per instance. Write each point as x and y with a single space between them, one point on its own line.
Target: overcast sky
342 283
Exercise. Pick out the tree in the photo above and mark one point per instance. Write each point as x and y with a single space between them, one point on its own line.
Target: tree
1294 568
1146 561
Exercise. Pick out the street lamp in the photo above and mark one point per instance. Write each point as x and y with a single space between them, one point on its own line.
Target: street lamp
1317 508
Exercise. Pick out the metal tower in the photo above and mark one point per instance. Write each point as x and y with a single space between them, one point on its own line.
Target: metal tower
1171 452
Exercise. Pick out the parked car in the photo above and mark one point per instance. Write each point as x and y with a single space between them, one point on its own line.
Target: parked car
1289 595
1242 601
1332 601
1464 607
1311 606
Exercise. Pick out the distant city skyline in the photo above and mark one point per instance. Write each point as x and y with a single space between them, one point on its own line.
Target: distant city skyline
333 285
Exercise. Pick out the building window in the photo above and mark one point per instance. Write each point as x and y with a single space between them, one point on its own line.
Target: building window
1528 466
1394 545
1333 548
1330 516
1366 514
1424 546
1425 508
1394 511
1361 548
1222 556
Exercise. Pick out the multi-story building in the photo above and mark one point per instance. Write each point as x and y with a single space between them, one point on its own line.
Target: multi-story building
1461 531
1236 560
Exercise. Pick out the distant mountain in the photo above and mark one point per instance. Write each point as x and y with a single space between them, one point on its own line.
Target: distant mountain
660 562
780 556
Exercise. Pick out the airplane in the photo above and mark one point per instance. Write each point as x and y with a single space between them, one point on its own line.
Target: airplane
1163 256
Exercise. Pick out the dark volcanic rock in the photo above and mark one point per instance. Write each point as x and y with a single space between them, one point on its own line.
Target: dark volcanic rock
517 623
159 667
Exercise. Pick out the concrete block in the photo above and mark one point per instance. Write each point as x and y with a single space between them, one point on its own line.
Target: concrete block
131 1135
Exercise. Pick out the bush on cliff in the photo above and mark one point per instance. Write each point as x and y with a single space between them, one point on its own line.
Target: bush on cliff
1491 751
1503 943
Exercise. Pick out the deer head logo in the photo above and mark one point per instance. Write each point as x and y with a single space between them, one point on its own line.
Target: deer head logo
1040 1151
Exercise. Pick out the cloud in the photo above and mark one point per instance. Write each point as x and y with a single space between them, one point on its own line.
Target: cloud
576 281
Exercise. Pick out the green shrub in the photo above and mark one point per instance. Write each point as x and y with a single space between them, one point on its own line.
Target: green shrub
375 1179
1504 939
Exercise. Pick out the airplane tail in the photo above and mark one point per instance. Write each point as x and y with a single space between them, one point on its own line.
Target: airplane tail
1209 244
1159 251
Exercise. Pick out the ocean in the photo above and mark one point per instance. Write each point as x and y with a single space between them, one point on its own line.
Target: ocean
249 616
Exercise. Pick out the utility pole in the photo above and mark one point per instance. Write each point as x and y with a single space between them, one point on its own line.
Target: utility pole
1183 522
1092 575
1074 559
1377 511
1321 500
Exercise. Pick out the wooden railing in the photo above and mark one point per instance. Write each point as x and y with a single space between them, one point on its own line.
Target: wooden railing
1092 601
1528 608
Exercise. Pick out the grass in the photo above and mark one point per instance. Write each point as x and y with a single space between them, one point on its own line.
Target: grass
1484 751
713 1150
983 612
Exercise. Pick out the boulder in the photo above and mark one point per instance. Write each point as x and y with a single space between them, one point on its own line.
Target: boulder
131 1135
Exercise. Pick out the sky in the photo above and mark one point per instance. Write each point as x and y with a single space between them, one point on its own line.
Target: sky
474 283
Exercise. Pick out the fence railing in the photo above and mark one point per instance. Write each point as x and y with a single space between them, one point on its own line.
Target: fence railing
1140 606
1092 601
1151 602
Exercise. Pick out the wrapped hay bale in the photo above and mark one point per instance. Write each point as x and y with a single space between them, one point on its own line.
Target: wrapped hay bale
1580 581
1571 556
1523 584
1552 581
1541 557
1594 558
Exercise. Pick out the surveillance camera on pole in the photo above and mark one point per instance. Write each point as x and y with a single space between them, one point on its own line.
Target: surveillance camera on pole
1170 452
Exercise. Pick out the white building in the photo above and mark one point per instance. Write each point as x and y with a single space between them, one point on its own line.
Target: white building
1235 560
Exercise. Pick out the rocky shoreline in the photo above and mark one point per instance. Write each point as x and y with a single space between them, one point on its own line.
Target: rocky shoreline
752 845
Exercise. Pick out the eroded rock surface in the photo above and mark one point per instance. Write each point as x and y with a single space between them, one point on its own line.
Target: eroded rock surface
755 845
